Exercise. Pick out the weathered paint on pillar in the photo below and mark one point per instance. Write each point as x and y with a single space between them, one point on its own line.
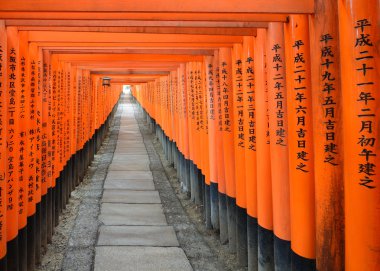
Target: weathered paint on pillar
328 140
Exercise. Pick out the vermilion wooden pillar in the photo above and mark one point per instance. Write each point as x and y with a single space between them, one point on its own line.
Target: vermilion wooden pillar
69 110
223 225
13 143
226 93
64 116
79 89
191 118
239 145
68 124
3 141
193 139
359 33
328 137
53 119
197 132
45 152
24 157
301 166
209 141
47 182
74 119
185 125
33 153
212 135
38 147
174 123
264 179
278 129
250 150
200 129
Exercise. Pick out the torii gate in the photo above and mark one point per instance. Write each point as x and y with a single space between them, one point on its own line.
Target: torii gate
311 195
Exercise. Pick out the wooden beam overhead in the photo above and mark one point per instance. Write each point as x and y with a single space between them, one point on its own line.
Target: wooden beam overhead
127 82
111 49
238 31
126 57
52 36
156 16
63 50
128 72
133 45
140 68
157 71
134 23
132 76
146 65
257 6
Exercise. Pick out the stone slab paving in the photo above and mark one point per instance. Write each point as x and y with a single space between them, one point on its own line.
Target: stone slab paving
129 184
131 166
131 150
132 163
130 196
134 234
129 175
126 144
130 258
128 134
132 214
131 160
128 157
155 236
134 151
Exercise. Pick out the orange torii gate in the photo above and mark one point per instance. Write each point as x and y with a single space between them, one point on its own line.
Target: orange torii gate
268 110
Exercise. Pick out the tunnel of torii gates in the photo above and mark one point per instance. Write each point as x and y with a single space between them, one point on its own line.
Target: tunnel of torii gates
269 109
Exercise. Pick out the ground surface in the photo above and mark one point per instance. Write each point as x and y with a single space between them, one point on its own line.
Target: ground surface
76 236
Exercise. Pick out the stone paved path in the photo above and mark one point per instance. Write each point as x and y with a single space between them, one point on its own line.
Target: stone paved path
134 234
